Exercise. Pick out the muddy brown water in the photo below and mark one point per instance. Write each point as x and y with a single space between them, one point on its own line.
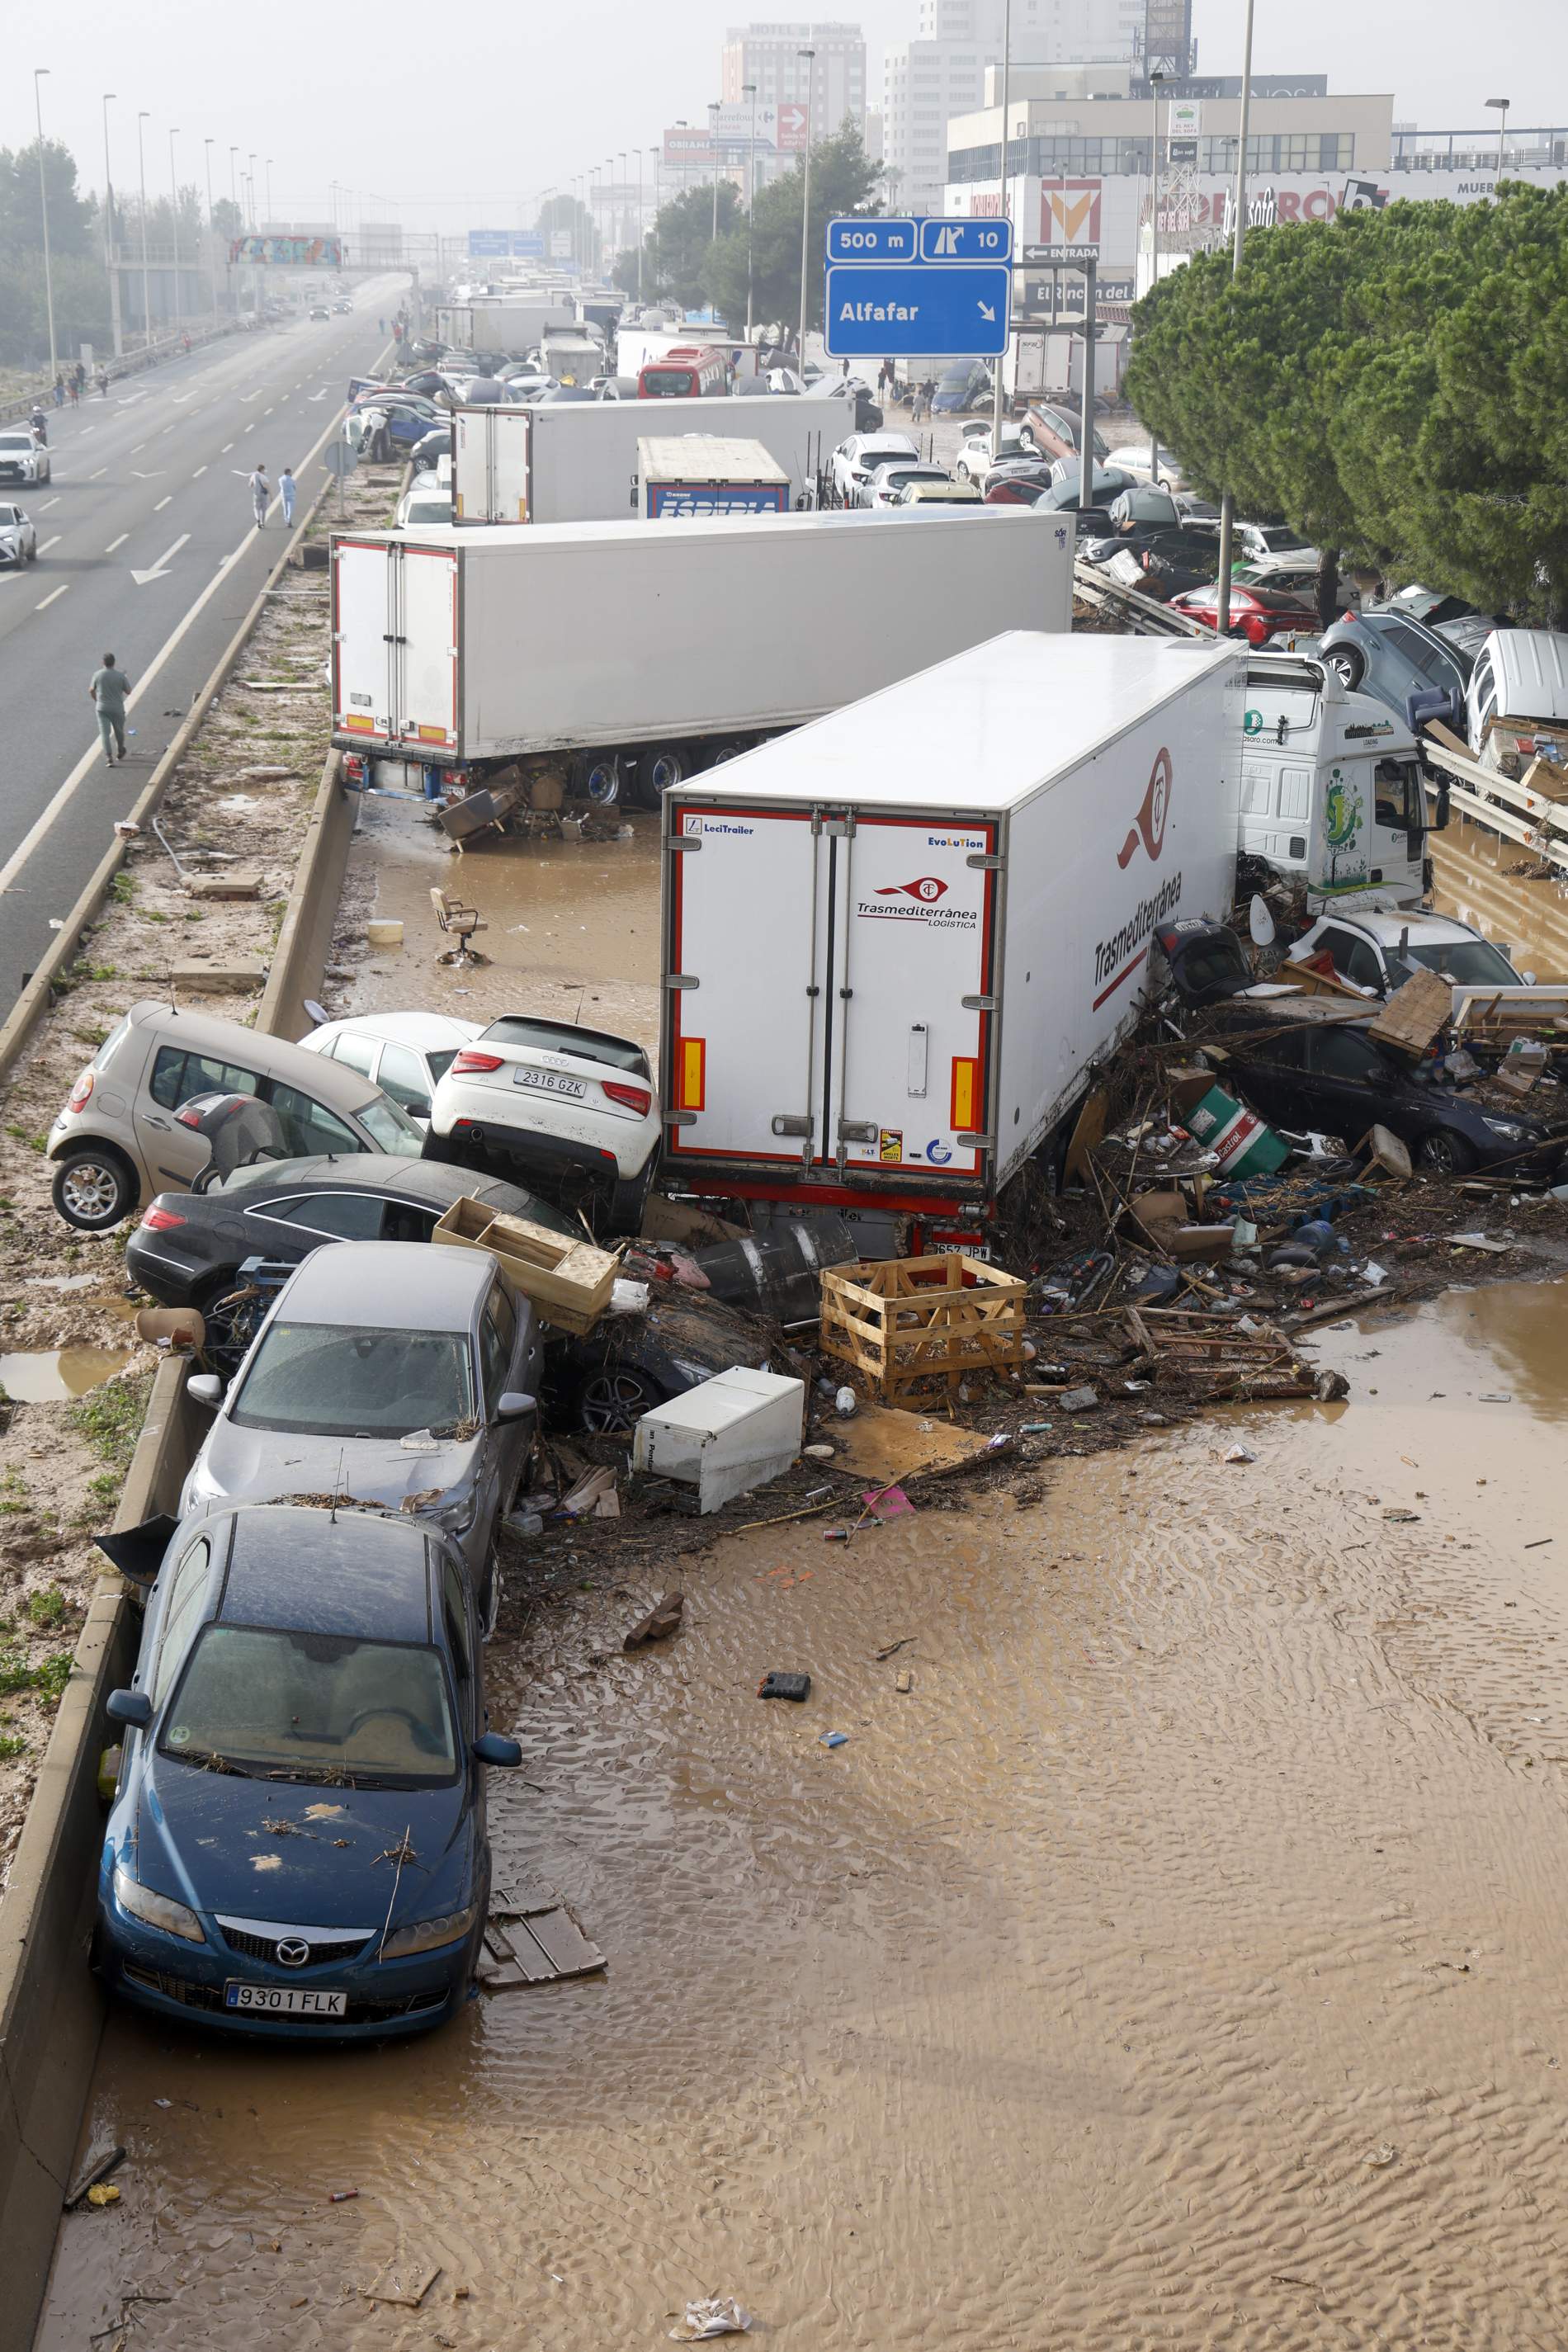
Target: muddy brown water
1178 1964
48 1375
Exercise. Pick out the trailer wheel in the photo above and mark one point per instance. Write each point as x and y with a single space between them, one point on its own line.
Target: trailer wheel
598 778
660 769
726 753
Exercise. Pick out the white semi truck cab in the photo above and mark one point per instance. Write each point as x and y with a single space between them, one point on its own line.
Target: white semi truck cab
1333 801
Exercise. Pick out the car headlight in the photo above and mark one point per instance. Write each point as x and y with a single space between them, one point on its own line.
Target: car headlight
1509 1128
157 1910
426 1934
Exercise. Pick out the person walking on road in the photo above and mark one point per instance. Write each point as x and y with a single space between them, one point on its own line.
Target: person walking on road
285 492
107 692
103 383
261 495
59 392
74 391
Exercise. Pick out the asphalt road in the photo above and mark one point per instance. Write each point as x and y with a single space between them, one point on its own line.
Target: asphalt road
147 550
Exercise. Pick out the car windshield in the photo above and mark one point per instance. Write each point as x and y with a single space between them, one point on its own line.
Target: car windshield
559 1037
390 1126
1278 540
430 510
1468 962
298 1705
662 382
16 440
347 1379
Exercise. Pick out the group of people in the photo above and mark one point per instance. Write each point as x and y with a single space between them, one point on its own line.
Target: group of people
261 496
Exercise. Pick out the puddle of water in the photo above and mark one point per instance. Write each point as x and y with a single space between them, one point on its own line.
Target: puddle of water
1217 1849
1530 917
574 926
51 1374
61 1281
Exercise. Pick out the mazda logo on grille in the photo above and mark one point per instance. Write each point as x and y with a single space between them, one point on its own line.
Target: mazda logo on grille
293 1952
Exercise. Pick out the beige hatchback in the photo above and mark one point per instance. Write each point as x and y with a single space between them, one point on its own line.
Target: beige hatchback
119 1139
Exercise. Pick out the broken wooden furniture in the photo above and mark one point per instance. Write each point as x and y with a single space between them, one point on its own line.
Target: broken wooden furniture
920 1325
569 1283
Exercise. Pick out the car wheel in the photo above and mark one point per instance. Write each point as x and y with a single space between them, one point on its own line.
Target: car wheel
660 769
1347 666
94 1187
629 1199
1445 1154
598 778
611 1400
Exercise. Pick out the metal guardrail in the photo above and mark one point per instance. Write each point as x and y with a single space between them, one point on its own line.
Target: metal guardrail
129 363
1502 806
1145 616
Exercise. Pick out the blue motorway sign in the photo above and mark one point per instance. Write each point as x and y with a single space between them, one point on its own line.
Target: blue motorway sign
853 239
966 240
903 311
505 243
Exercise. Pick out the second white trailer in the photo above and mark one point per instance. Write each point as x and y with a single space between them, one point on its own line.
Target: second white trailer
896 942
576 461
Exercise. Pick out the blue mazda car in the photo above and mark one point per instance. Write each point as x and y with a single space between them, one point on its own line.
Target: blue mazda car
297 1847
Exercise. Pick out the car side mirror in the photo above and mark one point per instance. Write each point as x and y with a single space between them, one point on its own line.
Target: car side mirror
1445 807
1527 978
490 1747
134 1708
516 1404
206 1387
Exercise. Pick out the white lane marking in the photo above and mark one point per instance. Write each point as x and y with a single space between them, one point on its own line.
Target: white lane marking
47 504
250 429
85 431
266 411
199 472
52 594
117 542
102 470
138 448
147 477
225 450
88 764
50 542
162 503
159 571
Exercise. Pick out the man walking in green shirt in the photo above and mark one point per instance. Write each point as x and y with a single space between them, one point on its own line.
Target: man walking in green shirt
108 692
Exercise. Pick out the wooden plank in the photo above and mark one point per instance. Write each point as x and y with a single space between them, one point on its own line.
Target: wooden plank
1414 1014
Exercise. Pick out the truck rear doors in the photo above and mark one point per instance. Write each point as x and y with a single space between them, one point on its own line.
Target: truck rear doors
395 644
828 1007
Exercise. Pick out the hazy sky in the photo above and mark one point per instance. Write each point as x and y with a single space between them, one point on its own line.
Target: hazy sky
462 115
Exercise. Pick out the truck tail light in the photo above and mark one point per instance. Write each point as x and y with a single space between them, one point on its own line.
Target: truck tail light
469 1065
78 1098
965 1105
691 1074
636 1099
161 1221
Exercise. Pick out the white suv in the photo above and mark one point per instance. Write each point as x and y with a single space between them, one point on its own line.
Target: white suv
21 459
573 1105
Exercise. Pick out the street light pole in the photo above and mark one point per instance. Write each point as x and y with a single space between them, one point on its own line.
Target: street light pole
108 240
642 233
174 226
141 182
39 73
998 401
623 156
810 56
1228 497
1501 106
268 170
749 90
1155 78
212 273
714 165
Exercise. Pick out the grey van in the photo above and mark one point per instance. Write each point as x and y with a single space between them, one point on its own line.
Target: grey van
120 1139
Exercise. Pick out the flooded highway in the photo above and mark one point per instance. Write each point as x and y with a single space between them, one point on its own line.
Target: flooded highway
1178 1962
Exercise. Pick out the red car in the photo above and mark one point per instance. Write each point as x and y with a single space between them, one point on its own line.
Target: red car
1256 614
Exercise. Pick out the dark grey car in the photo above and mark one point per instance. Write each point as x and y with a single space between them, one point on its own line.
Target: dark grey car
189 1245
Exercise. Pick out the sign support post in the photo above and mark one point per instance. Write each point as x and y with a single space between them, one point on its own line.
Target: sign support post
1086 434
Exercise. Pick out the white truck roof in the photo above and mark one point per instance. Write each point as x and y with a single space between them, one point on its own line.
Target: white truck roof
706 457
986 730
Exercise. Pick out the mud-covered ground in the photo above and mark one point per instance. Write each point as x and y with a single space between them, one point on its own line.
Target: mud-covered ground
64 1315
1176 1962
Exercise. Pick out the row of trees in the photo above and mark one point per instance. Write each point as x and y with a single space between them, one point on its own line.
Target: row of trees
684 261
1392 383
82 307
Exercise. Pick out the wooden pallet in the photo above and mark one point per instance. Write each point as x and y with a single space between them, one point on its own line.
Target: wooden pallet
568 1282
916 1325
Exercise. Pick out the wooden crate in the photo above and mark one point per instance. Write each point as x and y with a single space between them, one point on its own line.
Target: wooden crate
914 1325
569 1283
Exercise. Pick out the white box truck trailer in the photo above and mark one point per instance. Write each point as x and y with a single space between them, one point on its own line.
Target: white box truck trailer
509 329
576 461
601 652
895 941
681 476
